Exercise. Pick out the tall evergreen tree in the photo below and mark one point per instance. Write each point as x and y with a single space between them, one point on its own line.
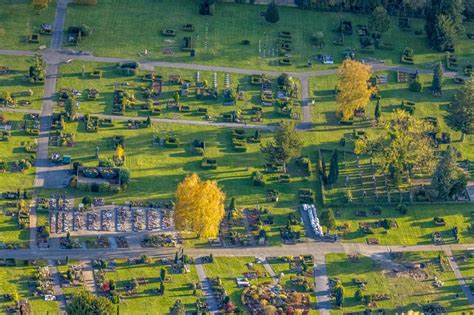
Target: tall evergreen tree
328 219
379 21
436 26
333 168
437 83
377 112
272 14
445 33
461 111
448 179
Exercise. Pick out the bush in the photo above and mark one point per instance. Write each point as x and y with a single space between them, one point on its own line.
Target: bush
416 85
258 179
87 201
402 208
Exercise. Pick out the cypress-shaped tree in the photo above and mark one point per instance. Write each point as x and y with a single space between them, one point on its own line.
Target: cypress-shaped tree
333 168
437 83
377 112
162 288
272 14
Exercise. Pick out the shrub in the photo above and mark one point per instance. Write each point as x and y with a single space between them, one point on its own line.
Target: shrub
258 179
416 85
348 196
402 208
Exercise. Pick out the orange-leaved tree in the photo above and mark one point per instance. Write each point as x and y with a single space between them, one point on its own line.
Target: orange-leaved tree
354 89
199 206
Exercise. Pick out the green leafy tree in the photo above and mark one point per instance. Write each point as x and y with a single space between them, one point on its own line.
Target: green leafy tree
437 83
379 21
449 179
461 111
272 14
87 303
404 145
87 201
286 144
328 219
178 308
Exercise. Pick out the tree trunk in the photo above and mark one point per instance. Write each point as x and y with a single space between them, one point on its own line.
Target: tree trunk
463 137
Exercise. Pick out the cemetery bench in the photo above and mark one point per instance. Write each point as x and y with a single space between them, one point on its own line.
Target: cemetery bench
34 38
168 32
188 28
284 62
187 44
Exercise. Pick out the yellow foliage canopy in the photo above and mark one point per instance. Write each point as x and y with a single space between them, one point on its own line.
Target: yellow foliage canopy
120 152
199 206
40 4
354 90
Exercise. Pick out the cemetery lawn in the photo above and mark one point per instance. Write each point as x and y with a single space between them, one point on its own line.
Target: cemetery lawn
218 39
9 231
13 82
328 131
406 293
19 20
71 77
180 287
414 228
466 266
17 278
13 150
230 268
157 170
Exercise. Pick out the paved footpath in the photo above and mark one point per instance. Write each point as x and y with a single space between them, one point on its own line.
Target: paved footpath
206 287
58 291
88 274
464 287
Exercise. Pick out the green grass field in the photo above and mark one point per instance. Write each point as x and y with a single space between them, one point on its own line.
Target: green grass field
17 279
180 287
19 20
416 227
465 261
71 77
218 38
328 132
13 82
405 292
13 150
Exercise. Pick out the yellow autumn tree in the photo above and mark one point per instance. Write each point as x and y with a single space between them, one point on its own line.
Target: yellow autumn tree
120 152
353 90
40 4
199 206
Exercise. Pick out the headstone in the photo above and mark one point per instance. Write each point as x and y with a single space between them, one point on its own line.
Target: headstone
214 80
